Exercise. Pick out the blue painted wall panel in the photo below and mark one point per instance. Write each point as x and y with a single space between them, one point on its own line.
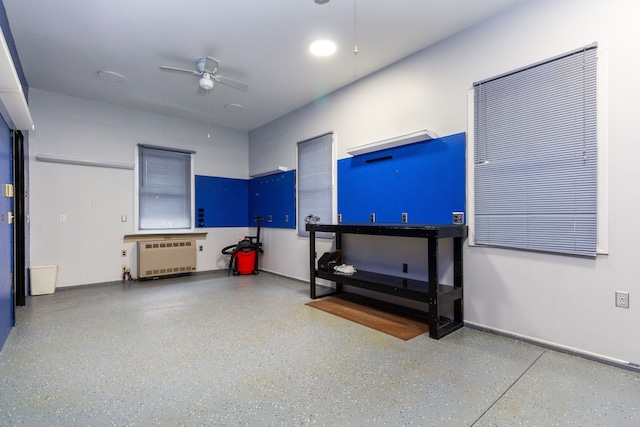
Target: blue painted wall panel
274 198
228 202
425 179
221 202
6 231
6 237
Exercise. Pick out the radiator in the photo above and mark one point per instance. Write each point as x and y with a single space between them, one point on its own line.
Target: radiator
163 258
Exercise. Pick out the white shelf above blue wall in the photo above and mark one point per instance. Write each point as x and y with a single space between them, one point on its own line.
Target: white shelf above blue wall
276 169
397 141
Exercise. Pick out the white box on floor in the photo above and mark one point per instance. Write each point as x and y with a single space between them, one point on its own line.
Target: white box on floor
43 279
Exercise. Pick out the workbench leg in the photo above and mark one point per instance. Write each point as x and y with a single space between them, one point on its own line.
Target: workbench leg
458 280
312 264
338 247
434 311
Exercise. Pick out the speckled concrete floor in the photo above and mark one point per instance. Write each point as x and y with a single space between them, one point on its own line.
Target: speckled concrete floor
212 350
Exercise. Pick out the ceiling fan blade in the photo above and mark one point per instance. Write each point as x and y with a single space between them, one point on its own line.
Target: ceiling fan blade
210 65
231 82
181 70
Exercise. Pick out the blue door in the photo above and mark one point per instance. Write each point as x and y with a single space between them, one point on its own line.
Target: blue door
6 235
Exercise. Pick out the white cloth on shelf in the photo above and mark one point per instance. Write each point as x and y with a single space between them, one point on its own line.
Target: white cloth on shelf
344 269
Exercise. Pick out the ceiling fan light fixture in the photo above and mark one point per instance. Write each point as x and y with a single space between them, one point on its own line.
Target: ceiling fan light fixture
322 48
206 83
207 69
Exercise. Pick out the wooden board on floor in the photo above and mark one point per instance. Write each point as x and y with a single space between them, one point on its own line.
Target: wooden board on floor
390 322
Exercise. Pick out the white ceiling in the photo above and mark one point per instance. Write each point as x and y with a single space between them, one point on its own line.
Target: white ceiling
63 44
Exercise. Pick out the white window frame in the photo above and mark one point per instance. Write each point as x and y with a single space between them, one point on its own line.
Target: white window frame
602 245
137 193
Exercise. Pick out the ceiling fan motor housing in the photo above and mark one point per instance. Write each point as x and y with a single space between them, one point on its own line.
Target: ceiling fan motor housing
206 83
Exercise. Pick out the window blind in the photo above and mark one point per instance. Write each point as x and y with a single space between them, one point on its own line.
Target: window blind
164 193
315 176
535 156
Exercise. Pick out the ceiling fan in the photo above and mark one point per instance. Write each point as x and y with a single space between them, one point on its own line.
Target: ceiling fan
206 69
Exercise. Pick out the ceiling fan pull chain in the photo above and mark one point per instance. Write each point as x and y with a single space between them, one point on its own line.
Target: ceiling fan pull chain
208 119
355 27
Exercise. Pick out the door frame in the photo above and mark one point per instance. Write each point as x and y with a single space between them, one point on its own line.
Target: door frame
20 220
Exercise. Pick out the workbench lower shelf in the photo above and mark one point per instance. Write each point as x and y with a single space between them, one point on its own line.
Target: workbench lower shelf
417 290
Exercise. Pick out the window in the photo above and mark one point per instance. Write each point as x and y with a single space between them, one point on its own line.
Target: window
165 188
315 181
535 169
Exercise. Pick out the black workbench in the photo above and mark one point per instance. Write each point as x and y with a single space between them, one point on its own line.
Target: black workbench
429 291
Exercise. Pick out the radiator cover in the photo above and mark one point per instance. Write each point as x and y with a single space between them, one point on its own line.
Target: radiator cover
166 257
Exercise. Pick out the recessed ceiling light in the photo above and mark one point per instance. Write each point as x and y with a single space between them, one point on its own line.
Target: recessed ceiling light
236 108
322 48
111 76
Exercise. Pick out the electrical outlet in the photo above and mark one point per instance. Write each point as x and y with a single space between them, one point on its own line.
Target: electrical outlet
339 217
124 252
372 217
622 299
404 217
457 218
200 248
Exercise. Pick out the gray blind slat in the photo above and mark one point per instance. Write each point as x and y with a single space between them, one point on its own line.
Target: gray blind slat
315 173
164 193
535 157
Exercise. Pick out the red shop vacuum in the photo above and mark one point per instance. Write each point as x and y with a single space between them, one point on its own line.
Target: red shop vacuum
244 254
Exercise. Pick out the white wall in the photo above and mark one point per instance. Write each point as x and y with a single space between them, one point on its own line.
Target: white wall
560 300
87 247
